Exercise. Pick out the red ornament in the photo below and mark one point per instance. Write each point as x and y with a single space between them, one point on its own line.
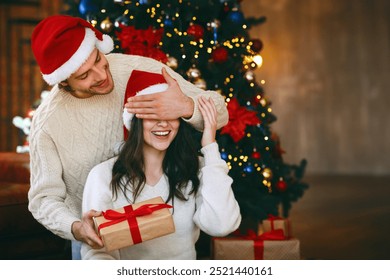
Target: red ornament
257 45
30 113
256 155
220 55
281 185
196 30
256 100
239 119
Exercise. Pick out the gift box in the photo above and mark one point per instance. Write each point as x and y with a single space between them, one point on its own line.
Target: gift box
133 224
274 223
255 248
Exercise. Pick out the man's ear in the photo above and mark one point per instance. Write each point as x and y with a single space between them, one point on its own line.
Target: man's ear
64 83
65 86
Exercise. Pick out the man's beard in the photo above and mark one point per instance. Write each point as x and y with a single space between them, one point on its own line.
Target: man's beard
90 91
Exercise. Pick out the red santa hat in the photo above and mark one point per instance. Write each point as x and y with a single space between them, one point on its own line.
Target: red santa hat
141 83
61 44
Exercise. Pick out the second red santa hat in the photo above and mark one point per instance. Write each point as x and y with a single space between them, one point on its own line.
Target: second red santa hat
141 83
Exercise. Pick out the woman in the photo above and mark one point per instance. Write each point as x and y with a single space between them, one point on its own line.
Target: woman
160 158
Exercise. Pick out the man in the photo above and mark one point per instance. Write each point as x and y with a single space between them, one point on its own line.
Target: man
79 124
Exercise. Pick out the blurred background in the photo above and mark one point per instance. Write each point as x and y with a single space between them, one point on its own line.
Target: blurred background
327 74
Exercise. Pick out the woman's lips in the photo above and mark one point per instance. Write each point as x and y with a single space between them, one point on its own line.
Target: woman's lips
161 133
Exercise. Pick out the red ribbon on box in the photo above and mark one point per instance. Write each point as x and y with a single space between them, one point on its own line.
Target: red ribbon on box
130 215
258 240
273 218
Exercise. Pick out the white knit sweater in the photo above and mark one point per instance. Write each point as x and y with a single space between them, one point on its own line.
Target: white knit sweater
214 210
69 136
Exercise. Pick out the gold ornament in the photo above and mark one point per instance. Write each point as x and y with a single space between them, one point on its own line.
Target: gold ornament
106 25
172 62
252 62
258 60
249 75
193 73
200 83
267 173
247 59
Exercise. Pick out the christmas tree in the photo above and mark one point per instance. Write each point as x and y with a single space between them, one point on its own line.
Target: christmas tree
208 43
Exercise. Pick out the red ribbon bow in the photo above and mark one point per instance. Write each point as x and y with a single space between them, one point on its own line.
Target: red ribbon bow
273 218
258 240
130 215
276 234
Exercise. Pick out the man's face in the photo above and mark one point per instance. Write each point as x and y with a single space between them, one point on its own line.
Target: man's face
92 78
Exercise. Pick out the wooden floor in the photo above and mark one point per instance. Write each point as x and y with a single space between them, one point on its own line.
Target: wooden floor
344 218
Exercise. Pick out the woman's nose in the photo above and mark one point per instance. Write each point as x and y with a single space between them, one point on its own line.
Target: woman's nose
162 123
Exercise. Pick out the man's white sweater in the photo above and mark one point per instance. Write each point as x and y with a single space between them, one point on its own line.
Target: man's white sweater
69 136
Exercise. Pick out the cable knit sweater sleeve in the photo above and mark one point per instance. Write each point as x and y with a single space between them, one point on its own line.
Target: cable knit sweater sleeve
217 211
48 191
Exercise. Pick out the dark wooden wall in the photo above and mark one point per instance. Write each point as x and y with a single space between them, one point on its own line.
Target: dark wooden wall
327 72
21 82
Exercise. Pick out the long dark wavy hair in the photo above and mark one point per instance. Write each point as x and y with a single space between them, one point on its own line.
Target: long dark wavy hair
180 164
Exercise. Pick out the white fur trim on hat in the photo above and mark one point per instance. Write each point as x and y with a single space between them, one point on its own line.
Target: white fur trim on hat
80 56
127 117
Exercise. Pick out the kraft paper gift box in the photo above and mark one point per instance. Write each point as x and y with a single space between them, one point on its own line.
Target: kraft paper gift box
134 223
274 222
254 248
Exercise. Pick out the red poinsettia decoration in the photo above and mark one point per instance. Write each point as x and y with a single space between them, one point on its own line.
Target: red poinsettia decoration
239 119
142 42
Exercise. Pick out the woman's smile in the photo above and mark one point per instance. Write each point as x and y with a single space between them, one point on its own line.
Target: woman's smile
161 133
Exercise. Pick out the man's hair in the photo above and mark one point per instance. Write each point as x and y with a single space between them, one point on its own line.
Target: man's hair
180 164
